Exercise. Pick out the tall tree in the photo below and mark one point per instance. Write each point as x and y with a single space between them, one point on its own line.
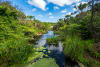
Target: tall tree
81 7
67 19
91 20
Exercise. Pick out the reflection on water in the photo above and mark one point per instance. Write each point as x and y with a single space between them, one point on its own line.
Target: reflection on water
59 48
42 41
56 51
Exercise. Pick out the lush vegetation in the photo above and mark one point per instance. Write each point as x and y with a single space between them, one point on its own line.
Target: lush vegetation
80 35
53 41
18 34
46 62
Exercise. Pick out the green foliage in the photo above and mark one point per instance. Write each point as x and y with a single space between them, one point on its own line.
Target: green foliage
14 51
14 48
78 50
39 53
53 41
82 6
15 36
75 45
49 62
76 36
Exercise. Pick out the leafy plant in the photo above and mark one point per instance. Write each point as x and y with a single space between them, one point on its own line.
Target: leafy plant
53 41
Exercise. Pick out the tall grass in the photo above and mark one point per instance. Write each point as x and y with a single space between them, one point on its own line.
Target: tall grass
80 50
14 52
73 47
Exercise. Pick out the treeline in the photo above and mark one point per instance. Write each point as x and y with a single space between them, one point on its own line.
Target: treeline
80 34
18 35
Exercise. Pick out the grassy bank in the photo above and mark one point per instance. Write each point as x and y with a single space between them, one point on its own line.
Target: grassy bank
82 51
18 34
45 62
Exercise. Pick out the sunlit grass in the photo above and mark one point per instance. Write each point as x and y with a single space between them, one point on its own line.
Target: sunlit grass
81 50
45 62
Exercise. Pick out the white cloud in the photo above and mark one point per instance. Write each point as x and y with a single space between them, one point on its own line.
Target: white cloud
84 2
56 7
49 13
69 13
51 17
74 9
63 2
38 3
64 11
40 15
34 9
63 15
77 4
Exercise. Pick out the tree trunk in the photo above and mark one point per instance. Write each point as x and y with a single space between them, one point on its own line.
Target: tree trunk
91 22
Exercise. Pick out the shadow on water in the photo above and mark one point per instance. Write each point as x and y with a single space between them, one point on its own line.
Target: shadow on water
56 52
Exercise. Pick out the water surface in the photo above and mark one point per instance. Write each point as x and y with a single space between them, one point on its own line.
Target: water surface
56 51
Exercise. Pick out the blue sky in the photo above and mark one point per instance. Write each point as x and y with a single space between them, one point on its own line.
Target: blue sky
47 10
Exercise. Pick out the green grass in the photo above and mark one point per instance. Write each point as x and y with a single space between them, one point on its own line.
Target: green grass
82 51
45 62
53 41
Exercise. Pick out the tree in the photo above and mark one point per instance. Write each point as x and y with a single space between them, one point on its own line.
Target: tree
67 18
81 7
91 20
31 17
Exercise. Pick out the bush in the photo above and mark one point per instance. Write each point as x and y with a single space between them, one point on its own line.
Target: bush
14 48
81 50
14 52
53 41
73 47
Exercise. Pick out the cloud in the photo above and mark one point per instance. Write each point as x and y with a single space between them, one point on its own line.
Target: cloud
38 3
77 4
63 2
49 13
64 11
69 13
51 17
55 7
40 15
74 9
47 8
34 9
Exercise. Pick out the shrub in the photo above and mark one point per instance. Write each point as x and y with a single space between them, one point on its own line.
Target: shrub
73 47
53 41
14 52
81 50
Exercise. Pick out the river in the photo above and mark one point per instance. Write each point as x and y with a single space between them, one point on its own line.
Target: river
57 52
